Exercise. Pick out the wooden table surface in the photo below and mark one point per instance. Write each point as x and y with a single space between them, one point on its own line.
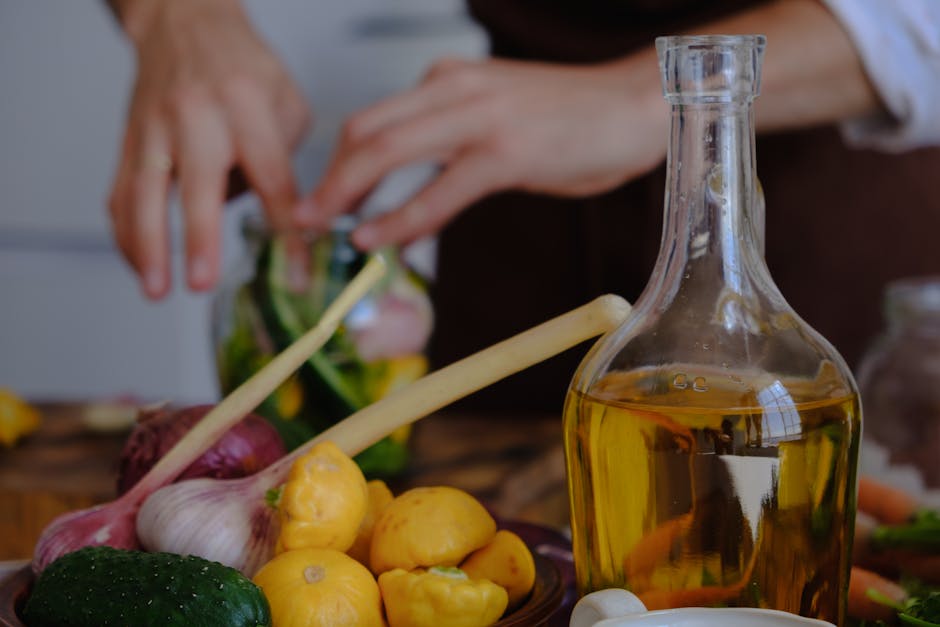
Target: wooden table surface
513 463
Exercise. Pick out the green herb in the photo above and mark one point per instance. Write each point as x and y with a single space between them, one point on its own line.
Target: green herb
921 534
923 611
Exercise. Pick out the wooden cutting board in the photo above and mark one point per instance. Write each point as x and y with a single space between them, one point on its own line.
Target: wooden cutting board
63 466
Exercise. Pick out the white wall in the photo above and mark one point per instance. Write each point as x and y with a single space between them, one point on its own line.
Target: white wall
72 321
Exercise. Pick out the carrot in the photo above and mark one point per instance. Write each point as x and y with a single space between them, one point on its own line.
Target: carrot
926 568
871 596
651 548
886 503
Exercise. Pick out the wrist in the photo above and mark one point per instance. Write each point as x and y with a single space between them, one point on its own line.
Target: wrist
137 17
134 16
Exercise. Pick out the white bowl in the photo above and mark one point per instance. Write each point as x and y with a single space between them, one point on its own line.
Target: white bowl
615 608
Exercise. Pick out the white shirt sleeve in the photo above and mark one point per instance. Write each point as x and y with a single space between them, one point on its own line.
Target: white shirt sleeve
899 45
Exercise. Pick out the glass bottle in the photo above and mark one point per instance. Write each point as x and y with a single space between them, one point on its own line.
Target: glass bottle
262 306
711 441
898 378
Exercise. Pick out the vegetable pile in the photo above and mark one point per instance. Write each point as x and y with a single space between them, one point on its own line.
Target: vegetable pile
347 552
235 521
896 579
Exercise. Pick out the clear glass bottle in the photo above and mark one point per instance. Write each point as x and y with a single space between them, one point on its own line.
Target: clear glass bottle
899 374
262 306
712 440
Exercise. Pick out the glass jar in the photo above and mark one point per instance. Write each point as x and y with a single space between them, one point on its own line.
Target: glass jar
899 377
262 306
711 441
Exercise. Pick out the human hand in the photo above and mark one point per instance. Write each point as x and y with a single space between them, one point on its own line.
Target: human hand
209 97
495 125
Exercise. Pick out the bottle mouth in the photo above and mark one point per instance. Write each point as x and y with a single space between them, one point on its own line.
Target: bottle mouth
710 68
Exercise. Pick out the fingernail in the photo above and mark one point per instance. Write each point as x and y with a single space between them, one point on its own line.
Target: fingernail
366 236
153 282
198 271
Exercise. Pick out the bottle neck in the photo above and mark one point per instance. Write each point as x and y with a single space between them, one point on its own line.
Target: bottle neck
713 226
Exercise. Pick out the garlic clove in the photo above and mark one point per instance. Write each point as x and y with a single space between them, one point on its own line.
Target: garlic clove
609 603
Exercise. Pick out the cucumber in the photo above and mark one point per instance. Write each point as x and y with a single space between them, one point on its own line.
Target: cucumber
100 585
324 384
334 379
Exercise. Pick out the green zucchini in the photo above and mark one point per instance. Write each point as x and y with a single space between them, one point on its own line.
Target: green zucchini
100 585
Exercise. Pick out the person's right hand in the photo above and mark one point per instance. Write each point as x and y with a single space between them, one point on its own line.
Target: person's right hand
495 125
210 96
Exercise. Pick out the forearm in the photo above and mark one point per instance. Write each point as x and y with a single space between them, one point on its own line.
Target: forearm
812 73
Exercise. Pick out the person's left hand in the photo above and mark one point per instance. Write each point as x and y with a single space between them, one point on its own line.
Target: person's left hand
495 125
210 98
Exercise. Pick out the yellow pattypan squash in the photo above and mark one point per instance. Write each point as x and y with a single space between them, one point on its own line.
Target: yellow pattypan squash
314 587
379 497
17 418
506 561
323 501
440 597
434 526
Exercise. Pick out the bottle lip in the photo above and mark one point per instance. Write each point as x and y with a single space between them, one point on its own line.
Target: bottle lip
710 69
669 42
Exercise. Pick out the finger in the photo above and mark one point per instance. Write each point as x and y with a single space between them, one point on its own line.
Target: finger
469 178
435 93
118 204
205 155
352 174
146 209
294 117
297 251
264 155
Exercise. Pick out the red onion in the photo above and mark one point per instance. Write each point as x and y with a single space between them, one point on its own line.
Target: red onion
244 449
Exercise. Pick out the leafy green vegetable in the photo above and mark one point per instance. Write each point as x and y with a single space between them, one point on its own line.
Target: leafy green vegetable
922 611
921 534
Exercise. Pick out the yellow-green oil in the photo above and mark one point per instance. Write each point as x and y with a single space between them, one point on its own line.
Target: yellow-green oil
713 498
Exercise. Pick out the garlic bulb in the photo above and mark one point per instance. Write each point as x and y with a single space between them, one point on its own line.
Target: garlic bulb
228 521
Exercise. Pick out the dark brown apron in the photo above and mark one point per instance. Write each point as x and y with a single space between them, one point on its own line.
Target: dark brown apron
840 222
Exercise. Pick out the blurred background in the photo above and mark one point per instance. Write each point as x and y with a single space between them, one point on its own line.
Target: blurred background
73 323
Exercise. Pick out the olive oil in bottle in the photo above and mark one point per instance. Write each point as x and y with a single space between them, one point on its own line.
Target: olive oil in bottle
713 498
711 441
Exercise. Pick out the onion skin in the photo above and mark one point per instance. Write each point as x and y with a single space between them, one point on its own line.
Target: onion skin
246 448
